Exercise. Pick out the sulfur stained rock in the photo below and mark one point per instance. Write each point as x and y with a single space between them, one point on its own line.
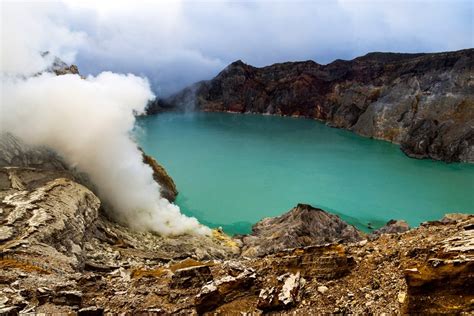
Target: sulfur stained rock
167 187
444 281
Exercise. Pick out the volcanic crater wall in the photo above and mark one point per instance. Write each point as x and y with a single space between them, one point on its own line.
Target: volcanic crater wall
424 102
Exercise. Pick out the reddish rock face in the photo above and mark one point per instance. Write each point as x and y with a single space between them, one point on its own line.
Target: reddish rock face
425 102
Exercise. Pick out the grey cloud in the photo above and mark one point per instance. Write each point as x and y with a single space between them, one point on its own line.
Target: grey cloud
177 43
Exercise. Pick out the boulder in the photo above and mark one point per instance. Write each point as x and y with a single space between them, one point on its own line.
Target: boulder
16 153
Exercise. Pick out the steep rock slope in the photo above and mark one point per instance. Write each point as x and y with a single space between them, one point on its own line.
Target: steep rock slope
425 102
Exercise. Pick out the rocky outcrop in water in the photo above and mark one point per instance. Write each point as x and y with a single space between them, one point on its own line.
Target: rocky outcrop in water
424 102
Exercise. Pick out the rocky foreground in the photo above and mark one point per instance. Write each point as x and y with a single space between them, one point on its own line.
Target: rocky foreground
60 253
424 102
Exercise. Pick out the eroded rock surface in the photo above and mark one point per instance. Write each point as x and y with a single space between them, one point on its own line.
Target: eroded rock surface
15 153
167 187
444 278
425 102
302 226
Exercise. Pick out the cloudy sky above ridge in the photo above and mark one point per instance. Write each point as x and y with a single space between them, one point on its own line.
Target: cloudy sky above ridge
175 43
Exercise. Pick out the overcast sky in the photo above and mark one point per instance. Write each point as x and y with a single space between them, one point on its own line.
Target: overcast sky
177 43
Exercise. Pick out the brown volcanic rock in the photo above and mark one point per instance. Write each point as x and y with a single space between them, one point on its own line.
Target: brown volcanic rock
444 280
167 187
425 102
302 226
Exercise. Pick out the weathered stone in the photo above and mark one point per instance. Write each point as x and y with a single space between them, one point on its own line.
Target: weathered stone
167 187
443 282
327 262
71 298
454 217
223 290
322 289
5 233
285 296
91 311
93 266
15 153
194 276
302 226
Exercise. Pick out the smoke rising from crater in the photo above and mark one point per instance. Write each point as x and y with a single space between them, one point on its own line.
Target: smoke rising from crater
86 120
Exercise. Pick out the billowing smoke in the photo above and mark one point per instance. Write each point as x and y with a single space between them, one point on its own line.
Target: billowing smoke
86 120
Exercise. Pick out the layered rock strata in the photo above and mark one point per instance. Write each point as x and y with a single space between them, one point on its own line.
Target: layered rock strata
424 102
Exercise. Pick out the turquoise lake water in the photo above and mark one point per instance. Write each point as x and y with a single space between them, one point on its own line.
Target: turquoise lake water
232 170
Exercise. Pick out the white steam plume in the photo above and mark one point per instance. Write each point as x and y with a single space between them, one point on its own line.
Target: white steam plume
88 121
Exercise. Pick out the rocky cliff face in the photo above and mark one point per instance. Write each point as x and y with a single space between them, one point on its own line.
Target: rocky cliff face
168 189
424 102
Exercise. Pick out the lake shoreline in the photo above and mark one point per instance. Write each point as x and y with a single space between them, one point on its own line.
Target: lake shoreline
243 132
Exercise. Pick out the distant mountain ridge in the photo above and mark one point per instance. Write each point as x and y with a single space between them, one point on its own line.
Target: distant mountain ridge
424 102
